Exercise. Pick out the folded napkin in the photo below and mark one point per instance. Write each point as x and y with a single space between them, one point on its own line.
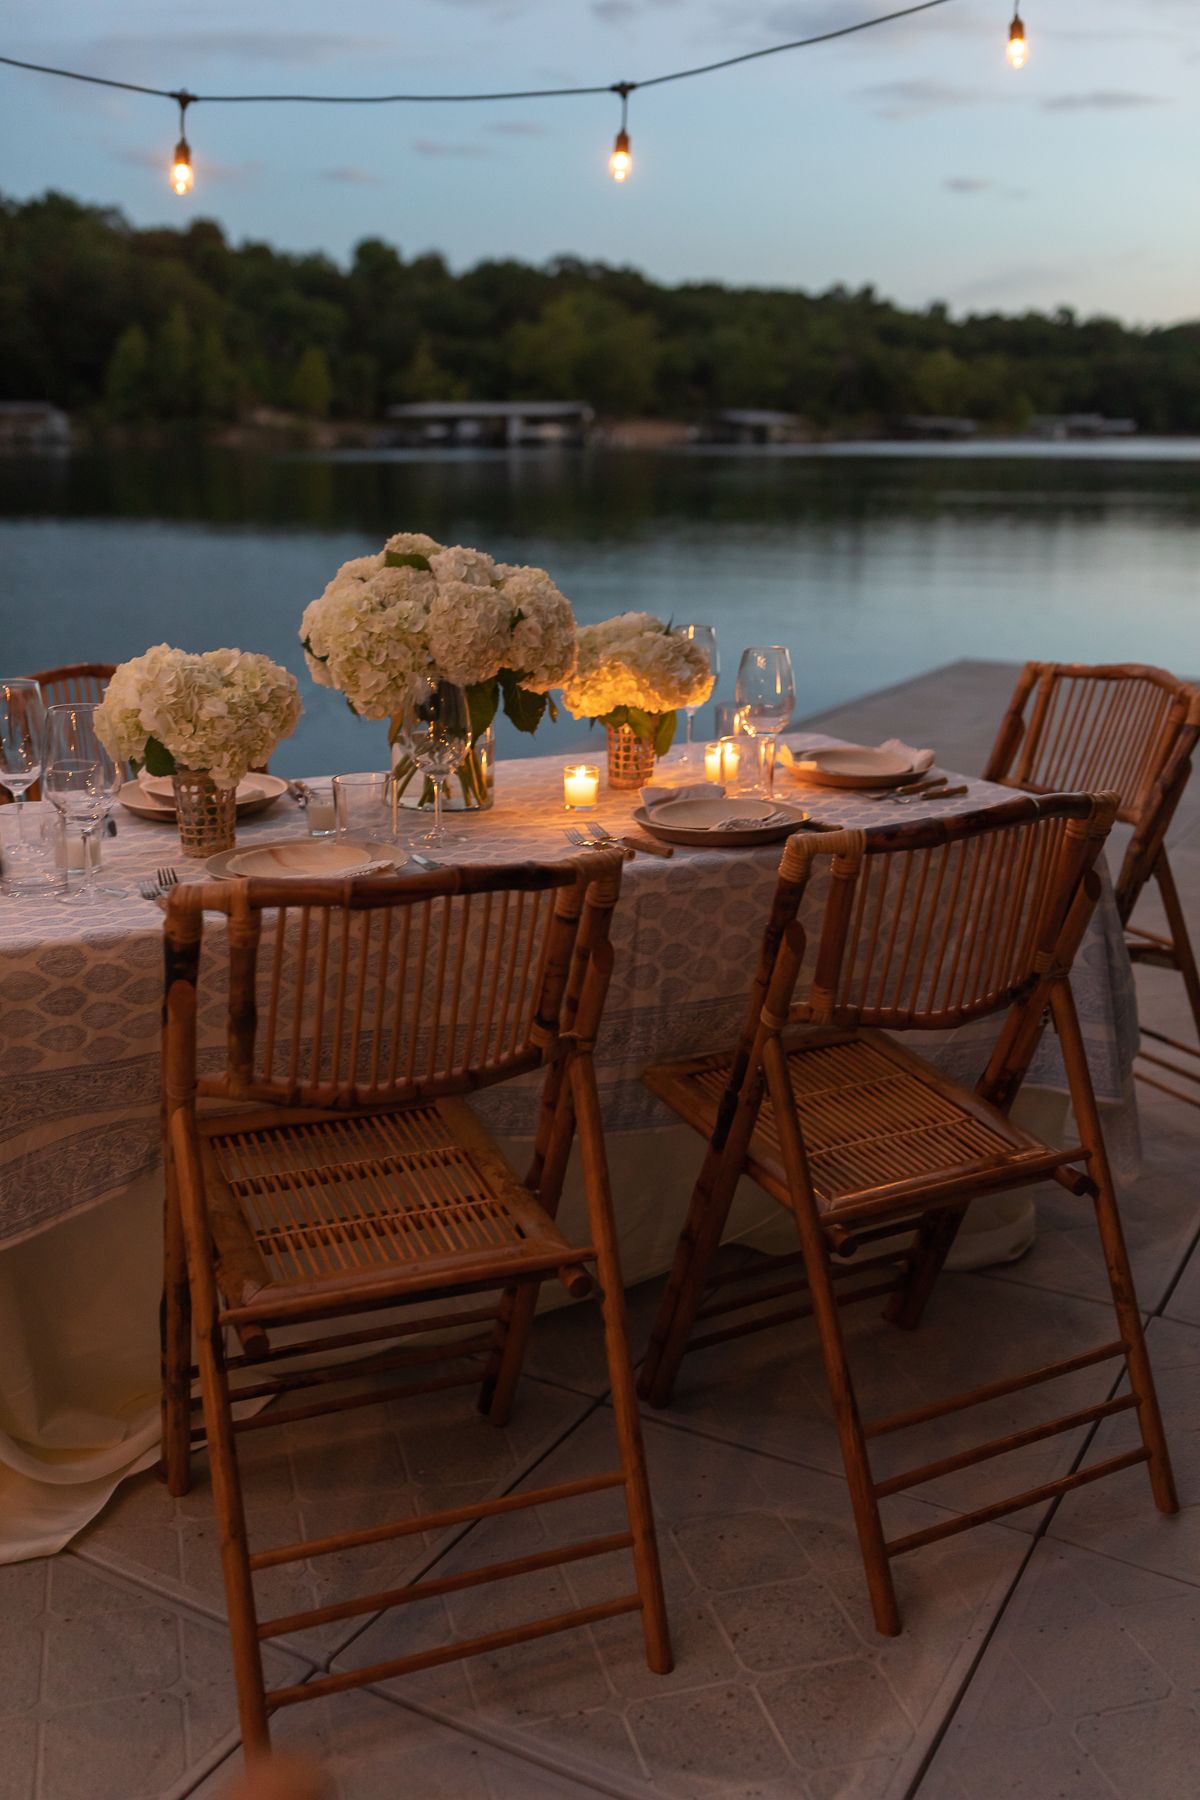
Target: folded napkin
920 761
696 790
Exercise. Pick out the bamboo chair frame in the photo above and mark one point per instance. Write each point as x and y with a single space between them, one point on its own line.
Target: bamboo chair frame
926 925
75 684
1133 729
392 1025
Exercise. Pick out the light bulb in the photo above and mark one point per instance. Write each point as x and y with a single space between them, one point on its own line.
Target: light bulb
1018 48
620 163
181 168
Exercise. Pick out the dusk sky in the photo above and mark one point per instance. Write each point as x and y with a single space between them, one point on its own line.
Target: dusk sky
910 157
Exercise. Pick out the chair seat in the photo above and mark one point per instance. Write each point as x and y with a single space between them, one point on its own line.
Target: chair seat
883 1130
406 1201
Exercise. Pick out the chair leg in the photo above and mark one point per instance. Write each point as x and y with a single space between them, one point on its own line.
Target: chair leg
696 1251
175 1339
815 1248
1185 956
935 1240
620 1372
507 1357
1116 1256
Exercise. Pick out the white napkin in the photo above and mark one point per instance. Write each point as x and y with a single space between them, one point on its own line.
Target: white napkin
920 761
696 790
754 823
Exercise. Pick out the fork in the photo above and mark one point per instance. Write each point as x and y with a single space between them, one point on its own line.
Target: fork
166 879
924 786
149 890
646 845
949 793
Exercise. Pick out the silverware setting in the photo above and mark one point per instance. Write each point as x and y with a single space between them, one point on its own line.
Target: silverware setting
923 786
949 793
164 880
423 862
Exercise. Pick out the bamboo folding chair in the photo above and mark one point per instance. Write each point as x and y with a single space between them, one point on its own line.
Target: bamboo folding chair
1133 730
75 684
927 925
335 1169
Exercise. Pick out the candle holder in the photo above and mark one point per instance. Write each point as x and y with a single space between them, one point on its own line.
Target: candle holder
722 761
581 787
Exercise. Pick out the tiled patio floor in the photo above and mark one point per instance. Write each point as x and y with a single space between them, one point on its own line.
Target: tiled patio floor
1054 1655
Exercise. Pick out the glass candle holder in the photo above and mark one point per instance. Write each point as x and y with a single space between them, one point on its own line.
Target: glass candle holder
722 761
321 813
581 787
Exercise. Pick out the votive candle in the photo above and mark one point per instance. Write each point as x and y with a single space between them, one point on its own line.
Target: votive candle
581 786
722 760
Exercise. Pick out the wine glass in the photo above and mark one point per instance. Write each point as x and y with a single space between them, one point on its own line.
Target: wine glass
82 780
766 695
22 742
435 731
706 637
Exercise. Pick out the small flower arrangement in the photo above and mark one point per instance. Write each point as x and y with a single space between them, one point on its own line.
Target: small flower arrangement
221 712
504 633
633 672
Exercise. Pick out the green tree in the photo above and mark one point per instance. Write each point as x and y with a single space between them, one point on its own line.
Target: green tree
311 391
425 379
127 378
216 382
173 370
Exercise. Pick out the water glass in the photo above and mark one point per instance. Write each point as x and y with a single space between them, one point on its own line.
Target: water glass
766 694
727 719
82 780
29 843
363 806
22 739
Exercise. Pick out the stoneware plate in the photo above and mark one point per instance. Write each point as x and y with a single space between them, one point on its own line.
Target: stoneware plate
155 798
851 766
691 822
301 858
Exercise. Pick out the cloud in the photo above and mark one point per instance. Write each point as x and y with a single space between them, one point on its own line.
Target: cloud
982 184
516 128
251 46
910 98
616 12
1099 100
348 175
442 147
206 169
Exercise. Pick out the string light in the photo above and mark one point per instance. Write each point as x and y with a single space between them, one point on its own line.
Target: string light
1018 48
182 175
620 163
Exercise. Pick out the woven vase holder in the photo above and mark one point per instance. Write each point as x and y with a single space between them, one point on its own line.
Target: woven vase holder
630 761
205 812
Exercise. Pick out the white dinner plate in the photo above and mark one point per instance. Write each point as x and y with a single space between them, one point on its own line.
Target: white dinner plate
154 798
301 858
851 766
693 822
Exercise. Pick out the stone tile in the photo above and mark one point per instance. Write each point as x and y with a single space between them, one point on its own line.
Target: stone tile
366 1748
1117 1516
318 1476
767 1390
1089 1688
966 698
108 1692
1183 1303
566 1346
781 1685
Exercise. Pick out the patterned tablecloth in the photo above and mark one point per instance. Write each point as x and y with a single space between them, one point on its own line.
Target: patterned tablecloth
80 991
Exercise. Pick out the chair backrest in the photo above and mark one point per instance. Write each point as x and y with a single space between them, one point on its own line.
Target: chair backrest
1115 727
382 991
75 684
932 923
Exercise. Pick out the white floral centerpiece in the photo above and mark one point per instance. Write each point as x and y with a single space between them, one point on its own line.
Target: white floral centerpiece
504 633
631 675
205 719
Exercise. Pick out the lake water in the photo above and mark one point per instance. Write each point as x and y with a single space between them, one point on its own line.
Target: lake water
873 563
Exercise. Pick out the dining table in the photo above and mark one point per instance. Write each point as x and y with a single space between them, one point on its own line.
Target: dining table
80 1156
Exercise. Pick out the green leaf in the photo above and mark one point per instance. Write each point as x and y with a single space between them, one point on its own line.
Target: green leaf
526 710
642 724
482 700
616 718
159 760
404 559
664 735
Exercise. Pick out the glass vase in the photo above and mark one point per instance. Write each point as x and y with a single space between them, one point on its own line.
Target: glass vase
470 789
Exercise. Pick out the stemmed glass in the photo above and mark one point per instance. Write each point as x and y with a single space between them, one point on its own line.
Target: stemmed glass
22 741
436 732
706 637
82 780
766 695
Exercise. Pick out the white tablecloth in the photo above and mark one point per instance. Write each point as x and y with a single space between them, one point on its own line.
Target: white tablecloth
80 997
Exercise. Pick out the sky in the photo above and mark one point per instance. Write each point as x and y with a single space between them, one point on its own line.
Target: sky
910 157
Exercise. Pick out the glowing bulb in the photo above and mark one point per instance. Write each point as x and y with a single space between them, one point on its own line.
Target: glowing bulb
620 163
1018 48
181 168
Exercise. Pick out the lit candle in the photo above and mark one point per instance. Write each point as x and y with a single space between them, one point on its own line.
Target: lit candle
581 786
722 760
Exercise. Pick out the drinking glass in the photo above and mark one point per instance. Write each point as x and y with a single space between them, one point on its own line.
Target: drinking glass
435 731
766 695
362 806
83 781
706 637
22 744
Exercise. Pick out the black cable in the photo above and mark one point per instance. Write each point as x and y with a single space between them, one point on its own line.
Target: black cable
624 88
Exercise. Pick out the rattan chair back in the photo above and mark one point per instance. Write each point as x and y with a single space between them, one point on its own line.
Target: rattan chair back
75 684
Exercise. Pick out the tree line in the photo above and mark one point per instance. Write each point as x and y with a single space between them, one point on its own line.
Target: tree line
131 326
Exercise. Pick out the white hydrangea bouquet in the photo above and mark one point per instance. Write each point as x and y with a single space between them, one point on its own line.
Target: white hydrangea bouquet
205 719
504 633
631 675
